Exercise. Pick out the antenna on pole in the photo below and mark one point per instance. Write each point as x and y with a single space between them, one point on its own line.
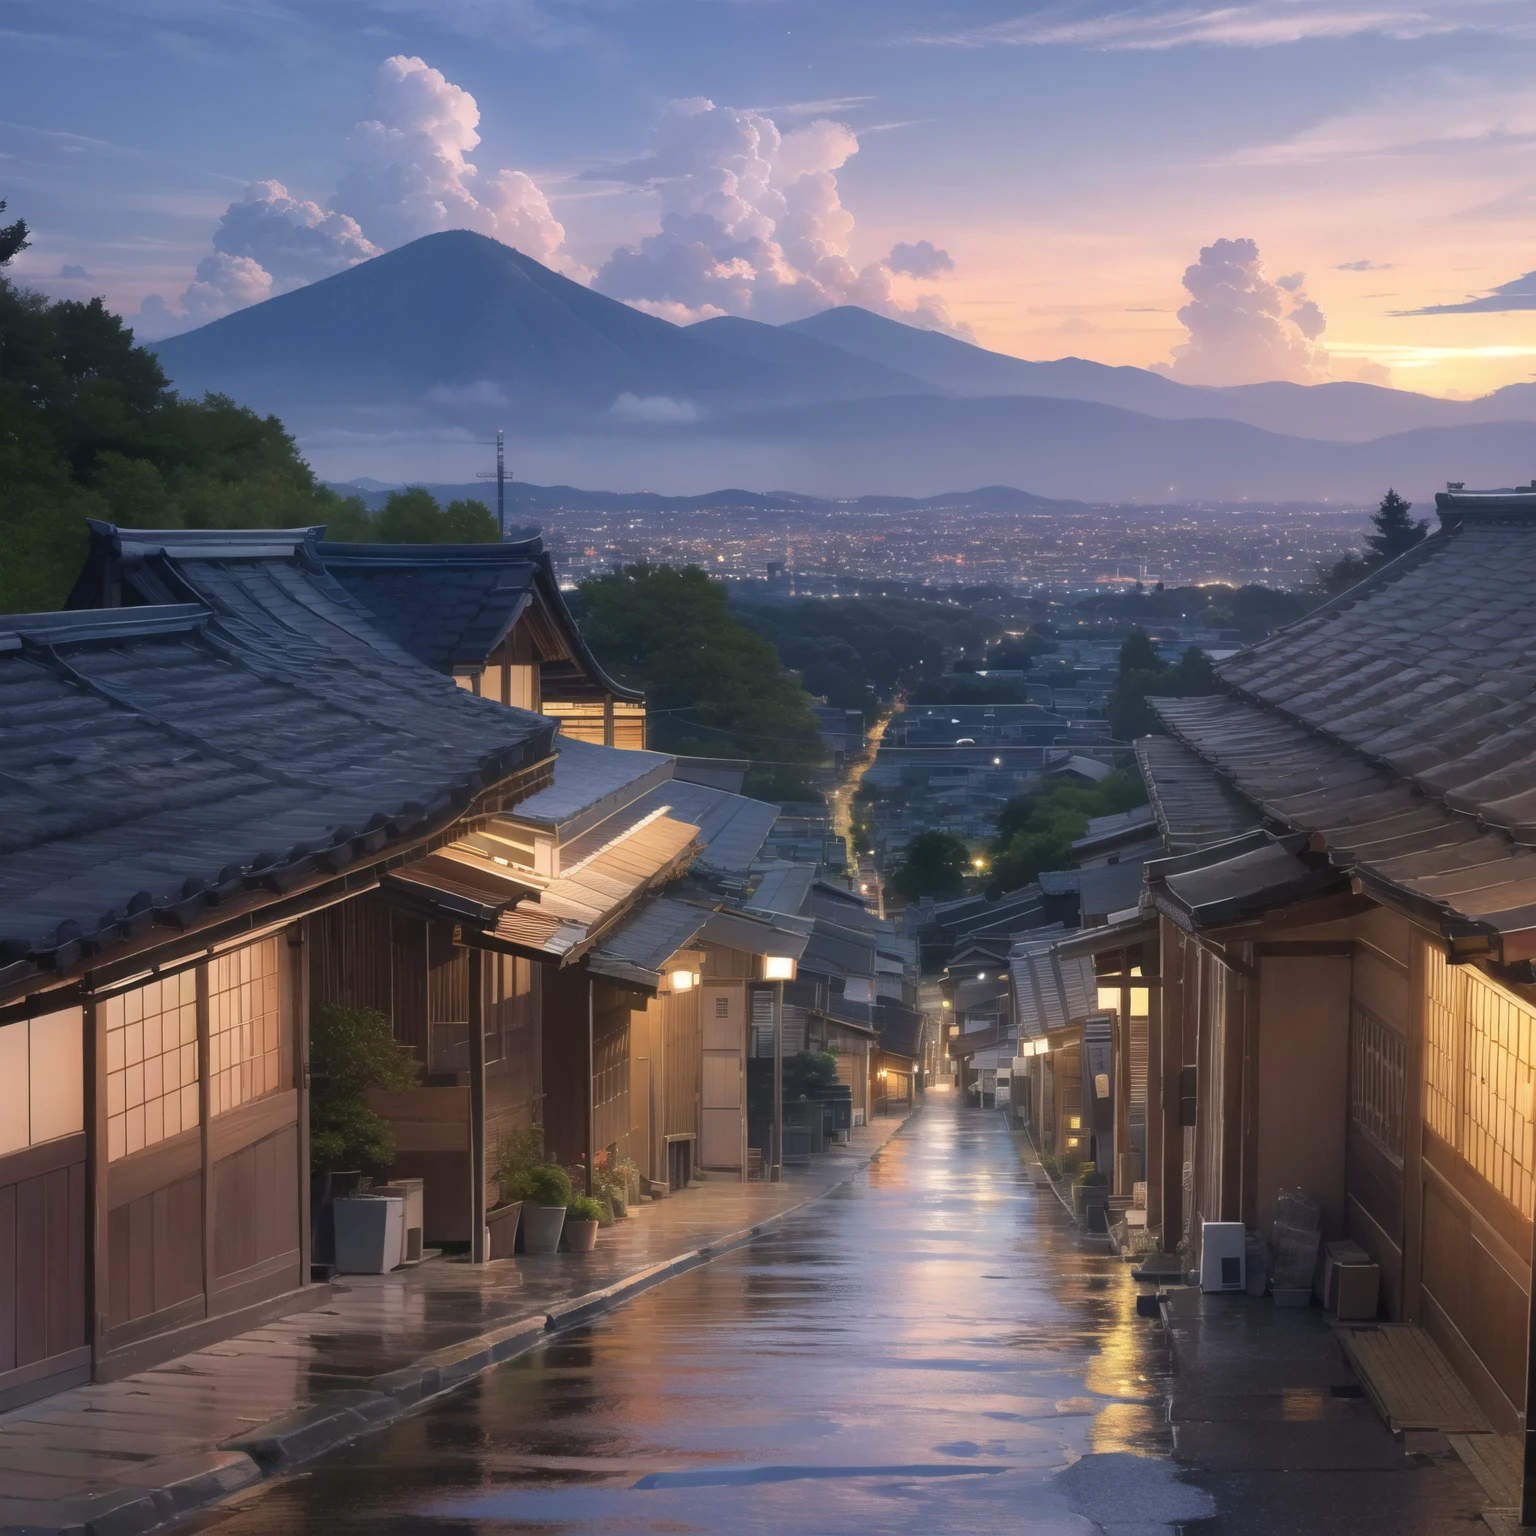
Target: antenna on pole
500 477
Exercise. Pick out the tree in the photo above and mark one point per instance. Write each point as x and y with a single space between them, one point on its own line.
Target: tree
89 427
935 864
1396 533
13 238
714 688
412 516
1036 831
1144 676
350 1051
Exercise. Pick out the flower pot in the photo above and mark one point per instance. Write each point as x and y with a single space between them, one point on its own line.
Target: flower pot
324 1190
369 1230
541 1227
581 1236
501 1222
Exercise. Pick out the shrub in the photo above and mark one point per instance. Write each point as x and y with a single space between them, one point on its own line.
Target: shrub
518 1153
1090 1175
548 1184
583 1208
350 1051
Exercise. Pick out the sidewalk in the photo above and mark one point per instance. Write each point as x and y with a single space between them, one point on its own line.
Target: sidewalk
116 1458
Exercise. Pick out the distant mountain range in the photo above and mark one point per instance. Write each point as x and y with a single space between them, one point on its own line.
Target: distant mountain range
397 367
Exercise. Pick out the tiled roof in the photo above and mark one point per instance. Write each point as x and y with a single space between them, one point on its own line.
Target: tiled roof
1243 878
1194 805
156 760
1395 724
1050 990
592 782
451 605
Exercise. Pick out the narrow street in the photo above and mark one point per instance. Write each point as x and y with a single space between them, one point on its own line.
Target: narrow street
932 1348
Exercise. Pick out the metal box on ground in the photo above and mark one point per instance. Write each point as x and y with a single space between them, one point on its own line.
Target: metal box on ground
1223 1246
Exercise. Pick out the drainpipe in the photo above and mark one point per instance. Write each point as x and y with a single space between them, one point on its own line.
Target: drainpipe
477 1243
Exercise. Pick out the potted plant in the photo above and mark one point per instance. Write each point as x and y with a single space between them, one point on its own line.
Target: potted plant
1091 1189
351 1050
582 1217
517 1154
546 1193
370 1231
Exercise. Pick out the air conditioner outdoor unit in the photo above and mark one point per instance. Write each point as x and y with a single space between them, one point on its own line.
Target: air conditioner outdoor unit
1223 1247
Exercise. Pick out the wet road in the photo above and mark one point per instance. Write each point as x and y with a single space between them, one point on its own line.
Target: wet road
925 1350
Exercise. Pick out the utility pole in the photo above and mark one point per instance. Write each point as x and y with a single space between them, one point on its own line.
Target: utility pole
500 478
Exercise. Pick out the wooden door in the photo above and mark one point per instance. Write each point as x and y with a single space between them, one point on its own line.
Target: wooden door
723 1107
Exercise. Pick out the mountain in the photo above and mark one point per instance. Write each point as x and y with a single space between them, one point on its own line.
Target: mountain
399 368
1339 412
524 499
457 326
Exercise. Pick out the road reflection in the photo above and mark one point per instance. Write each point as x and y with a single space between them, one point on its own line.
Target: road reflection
924 1350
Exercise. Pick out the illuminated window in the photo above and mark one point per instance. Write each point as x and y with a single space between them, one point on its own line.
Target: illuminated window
244 1026
151 1037
1109 999
1074 1122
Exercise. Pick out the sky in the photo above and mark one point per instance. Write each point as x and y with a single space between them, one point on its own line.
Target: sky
1230 192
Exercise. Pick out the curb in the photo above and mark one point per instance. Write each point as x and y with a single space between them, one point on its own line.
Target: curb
279 1446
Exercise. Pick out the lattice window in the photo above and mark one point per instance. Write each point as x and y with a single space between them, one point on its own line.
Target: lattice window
1498 1079
1378 1064
1441 1013
244 1025
151 1035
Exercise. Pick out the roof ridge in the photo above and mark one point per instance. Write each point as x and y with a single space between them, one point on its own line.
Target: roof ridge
101 625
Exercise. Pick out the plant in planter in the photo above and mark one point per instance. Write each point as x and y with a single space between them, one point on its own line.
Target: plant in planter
352 1050
546 1191
611 1179
1090 1188
518 1153
582 1217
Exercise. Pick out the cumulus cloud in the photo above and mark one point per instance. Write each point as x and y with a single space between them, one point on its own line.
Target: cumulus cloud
752 222
1245 328
411 175
921 259
77 273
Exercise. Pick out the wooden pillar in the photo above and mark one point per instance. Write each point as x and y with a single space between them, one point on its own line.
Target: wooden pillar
608 720
587 1115
205 1129
298 951
477 1242
1123 1081
1528 1472
1413 1136
1156 1130
96 1256
1250 1153
1233 1030
1172 1003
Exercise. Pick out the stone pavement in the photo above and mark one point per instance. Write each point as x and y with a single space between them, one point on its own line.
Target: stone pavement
115 1458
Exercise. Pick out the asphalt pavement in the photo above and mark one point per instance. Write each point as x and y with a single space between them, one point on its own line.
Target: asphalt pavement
933 1347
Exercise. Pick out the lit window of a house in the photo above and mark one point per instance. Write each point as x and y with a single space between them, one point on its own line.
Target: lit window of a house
42 1084
244 1026
151 1063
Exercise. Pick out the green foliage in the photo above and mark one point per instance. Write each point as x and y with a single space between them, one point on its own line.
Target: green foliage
412 516
13 238
1143 676
583 1208
546 1184
857 646
714 688
1089 1177
350 1051
90 428
518 1153
1036 831
935 864
807 1072
1396 533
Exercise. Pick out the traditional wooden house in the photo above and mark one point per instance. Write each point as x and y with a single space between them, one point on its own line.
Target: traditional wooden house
493 618
896 1061
186 790
1054 998
1344 997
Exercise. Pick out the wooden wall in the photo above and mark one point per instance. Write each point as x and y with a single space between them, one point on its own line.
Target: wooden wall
44 1341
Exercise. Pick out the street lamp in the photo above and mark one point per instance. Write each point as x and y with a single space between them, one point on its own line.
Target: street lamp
778 969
